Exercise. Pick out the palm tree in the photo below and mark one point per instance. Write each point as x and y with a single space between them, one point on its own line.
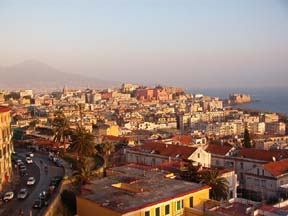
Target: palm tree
219 185
190 173
82 142
105 149
83 173
61 126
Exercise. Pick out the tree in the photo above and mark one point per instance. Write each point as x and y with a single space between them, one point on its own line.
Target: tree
190 173
61 126
83 173
219 185
105 149
247 139
82 142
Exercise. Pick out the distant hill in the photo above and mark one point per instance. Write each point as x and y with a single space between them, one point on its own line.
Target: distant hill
40 76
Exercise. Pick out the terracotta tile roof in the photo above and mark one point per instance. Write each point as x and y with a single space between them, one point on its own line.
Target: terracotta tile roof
171 150
277 168
218 149
4 109
260 154
185 139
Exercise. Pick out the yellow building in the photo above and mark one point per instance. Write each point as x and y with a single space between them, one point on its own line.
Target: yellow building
112 130
131 191
6 147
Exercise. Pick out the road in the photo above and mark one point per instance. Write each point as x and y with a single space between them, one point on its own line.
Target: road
42 183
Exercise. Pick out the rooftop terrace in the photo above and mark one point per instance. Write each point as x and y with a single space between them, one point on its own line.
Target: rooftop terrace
130 188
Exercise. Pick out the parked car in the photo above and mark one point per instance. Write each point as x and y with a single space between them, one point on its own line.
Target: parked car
23 193
19 162
55 181
22 167
37 204
59 163
23 173
43 195
31 181
29 160
29 154
8 196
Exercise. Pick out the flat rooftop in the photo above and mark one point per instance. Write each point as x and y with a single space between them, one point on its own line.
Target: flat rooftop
131 188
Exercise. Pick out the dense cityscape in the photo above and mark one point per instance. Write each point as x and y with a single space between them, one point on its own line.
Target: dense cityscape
139 150
143 108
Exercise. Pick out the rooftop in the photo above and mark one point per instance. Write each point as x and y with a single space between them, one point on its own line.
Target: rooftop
131 188
277 168
169 150
4 109
235 209
262 155
218 149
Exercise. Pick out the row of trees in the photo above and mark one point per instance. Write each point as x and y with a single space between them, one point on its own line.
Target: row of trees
219 185
82 142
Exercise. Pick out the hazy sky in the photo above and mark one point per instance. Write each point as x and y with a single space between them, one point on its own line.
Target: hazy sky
188 43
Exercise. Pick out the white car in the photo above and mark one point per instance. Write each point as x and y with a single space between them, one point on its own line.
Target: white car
29 154
8 196
18 162
23 193
31 181
29 160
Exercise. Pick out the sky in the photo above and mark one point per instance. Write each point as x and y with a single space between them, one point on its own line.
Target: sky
189 43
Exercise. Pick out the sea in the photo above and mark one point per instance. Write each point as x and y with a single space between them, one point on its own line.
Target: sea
266 99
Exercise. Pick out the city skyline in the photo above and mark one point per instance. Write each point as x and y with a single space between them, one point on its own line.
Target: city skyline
189 44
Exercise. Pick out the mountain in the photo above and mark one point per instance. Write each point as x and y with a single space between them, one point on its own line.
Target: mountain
40 76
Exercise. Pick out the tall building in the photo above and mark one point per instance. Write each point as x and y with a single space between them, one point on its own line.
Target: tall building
6 147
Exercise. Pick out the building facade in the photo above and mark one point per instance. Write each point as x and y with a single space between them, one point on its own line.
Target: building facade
6 147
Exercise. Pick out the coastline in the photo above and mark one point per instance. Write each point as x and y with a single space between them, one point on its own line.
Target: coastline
245 107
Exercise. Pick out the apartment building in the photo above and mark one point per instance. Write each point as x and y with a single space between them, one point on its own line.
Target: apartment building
134 191
6 147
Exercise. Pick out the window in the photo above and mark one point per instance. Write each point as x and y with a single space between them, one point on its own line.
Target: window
178 205
263 183
256 181
241 165
198 155
191 202
263 172
157 211
167 209
257 171
147 213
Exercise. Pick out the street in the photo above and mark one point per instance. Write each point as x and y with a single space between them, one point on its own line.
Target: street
42 183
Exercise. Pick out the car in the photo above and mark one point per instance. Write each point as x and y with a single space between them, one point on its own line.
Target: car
8 196
59 163
31 181
22 168
23 173
29 160
29 154
37 204
19 162
23 193
55 181
43 195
